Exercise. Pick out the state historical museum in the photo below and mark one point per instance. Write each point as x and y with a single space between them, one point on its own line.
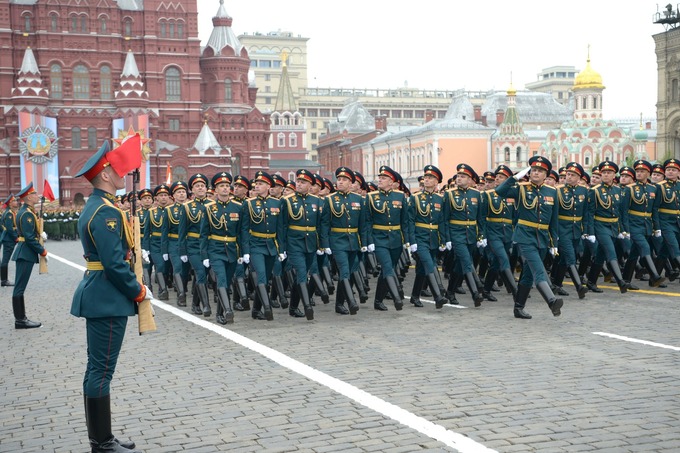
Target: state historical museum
76 73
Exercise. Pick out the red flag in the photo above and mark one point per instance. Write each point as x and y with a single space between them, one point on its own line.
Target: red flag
168 174
127 157
47 191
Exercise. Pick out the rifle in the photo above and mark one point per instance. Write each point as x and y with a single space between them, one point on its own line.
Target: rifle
42 269
145 311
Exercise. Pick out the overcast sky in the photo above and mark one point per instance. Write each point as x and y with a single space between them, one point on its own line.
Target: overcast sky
448 45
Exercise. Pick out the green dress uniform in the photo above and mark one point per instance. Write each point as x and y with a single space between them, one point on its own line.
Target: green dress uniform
667 204
170 231
156 243
8 239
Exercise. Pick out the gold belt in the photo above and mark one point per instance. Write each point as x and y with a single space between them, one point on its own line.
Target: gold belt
173 235
97 265
427 225
302 228
540 226
498 220
156 234
215 237
569 219
640 214
606 219
193 235
344 230
263 235
463 222
669 211
387 227
21 239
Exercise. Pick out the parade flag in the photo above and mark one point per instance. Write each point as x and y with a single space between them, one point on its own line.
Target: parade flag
127 157
168 174
47 191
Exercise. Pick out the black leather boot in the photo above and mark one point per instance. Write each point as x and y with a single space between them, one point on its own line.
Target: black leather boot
439 299
317 284
306 301
225 305
195 300
616 272
326 272
417 290
359 284
520 302
280 291
489 281
340 300
393 288
4 281
554 303
581 289
509 281
262 294
593 275
557 278
477 296
99 427
181 294
242 293
654 278
346 286
20 319
380 290
130 445
162 287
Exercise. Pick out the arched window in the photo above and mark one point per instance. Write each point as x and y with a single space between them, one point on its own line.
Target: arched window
584 103
281 140
179 173
180 30
103 27
74 24
81 82
595 102
55 82
163 31
54 22
292 140
27 23
105 82
173 88
507 153
83 24
75 138
228 93
92 138
171 29
518 154
127 27
674 90
291 176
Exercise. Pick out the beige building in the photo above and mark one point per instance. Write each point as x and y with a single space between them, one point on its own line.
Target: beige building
668 96
556 80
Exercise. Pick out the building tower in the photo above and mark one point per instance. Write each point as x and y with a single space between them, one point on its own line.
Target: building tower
512 145
588 93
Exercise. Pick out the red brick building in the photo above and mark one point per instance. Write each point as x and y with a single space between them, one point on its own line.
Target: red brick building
93 64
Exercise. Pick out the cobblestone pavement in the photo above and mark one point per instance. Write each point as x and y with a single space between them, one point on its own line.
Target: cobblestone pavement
456 379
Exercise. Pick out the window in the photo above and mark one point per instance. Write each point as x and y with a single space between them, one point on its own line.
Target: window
127 27
173 124
163 33
281 140
27 23
595 102
173 91
228 94
277 64
507 154
292 140
55 82
180 30
518 154
560 95
267 100
75 138
325 113
171 29
267 77
103 27
74 24
313 112
253 63
313 124
408 113
396 113
313 135
674 90
586 161
54 22
265 63
584 104
81 82
267 89
83 24
105 82
92 138
420 114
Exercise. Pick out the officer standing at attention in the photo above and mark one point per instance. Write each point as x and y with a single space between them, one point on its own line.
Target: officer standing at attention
8 237
153 238
387 224
107 295
145 197
260 224
170 231
536 231
429 234
26 254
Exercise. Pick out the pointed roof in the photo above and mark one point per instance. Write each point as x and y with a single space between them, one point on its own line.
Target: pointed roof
206 140
353 118
285 101
28 82
131 83
29 65
511 125
222 35
130 68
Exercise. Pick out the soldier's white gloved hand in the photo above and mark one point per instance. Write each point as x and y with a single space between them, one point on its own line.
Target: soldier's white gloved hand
371 248
413 248
481 243
145 256
319 252
47 258
328 251
246 258
165 257
442 248
184 258
282 256
553 251
65 220
591 238
657 233
363 249
620 236
449 246
206 262
522 173
149 294
43 235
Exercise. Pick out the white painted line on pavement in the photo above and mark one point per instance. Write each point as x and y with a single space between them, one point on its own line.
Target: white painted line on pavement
451 439
635 340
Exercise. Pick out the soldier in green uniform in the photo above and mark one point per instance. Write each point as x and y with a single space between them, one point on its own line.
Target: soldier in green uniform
387 226
667 204
8 236
170 233
536 231
462 211
260 224
241 302
145 197
605 204
277 293
25 254
429 234
642 222
107 295
153 240
572 215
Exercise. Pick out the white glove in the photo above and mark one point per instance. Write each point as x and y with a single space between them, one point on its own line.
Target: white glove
206 262
442 248
626 235
149 294
327 251
282 256
165 257
43 235
620 236
145 256
482 243
65 220
47 259
319 252
449 246
363 249
553 251
591 238
413 248
246 258
522 173
657 233
371 248
184 258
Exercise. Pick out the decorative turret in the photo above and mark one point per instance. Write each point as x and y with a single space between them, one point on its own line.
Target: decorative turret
512 144
222 40
587 90
206 140
285 101
132 92
29 89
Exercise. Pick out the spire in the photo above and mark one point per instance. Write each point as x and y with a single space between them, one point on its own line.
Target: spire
130 68
511 125
131 83
206 140
29 82
285 101
222 35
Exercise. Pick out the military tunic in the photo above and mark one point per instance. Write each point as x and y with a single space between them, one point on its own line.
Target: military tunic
171 233
153 241
190 237
387 224
220 236
259 226
573 214
667 204
639 217
28 248
497 220
462 211
604 220
429 230
344 217
9 236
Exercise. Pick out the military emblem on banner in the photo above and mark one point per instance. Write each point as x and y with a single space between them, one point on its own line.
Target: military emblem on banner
38 144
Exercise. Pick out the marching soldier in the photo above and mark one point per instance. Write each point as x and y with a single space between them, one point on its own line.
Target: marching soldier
153 241
667 204
8 237
241 302
277 292
536 231
462 211
170 231
107 295
344 217
220 238
145 197
387 227
190 242
261 214
429 234
26 254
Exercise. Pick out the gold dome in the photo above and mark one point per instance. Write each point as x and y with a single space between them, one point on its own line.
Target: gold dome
511 90
588 78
